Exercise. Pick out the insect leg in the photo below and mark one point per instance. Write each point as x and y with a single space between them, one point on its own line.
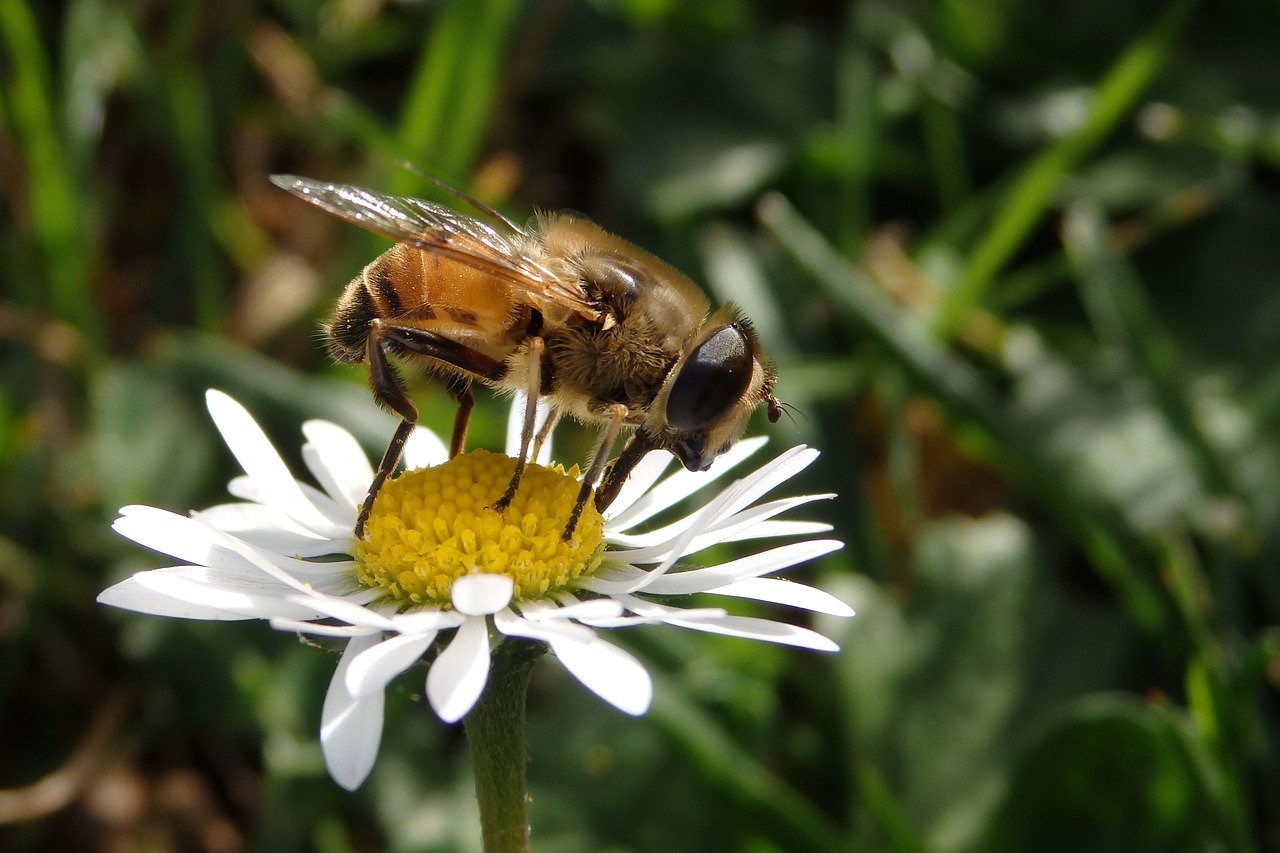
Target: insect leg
385 467
532 389
553 418
632 452
390 391
460 390
608 435
432 345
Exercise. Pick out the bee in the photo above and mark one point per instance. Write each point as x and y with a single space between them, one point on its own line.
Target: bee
561 310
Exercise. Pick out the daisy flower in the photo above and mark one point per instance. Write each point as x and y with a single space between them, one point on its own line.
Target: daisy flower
436 561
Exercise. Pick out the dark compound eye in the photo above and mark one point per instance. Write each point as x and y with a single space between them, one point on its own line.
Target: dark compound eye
711 381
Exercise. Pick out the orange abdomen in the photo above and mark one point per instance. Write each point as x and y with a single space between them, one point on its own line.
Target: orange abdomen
406 286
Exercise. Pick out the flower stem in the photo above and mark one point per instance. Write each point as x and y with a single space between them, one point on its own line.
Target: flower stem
495 734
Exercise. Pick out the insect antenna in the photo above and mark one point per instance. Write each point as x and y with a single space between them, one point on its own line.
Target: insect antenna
777 408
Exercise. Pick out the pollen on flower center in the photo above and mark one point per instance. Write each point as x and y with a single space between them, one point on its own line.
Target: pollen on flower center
430 526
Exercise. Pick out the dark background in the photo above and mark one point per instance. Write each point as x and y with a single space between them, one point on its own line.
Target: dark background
1017 263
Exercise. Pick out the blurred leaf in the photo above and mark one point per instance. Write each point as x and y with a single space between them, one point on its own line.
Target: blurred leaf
58 229
735 174
1104 435
1123 320
101 50
775 809
1160 792
942 683
146 443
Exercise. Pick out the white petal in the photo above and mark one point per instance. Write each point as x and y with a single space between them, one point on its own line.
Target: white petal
683 483
350 728
421 621
732 499
339 464
458 675
233 562
603 668
373 668
753 628
323 519
259 459
752 487
515 423
594 608
754 517
129 594
705 517
321 629
743 493
750 523
264 527
775 529
779 591
612 577
482 594
240 517
753 565
424 449
607 671
514 625
344 610
340 514
190 585
178 536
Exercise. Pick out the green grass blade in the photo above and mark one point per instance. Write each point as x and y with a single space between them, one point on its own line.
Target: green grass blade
448 105
964 394
56 220
1033 190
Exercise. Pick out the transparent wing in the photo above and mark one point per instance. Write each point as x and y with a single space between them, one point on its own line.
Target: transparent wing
443 231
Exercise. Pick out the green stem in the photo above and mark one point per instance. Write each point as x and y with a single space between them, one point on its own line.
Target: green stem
495 733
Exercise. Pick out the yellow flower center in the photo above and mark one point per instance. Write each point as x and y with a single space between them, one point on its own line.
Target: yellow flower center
430 526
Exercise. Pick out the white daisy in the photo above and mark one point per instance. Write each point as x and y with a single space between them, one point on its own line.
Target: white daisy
436 559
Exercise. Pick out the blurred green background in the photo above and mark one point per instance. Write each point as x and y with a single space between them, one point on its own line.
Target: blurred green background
1017 262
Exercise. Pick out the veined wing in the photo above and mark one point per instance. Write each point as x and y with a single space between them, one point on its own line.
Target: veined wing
444 231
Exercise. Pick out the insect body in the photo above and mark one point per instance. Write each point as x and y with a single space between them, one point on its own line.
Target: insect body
561 310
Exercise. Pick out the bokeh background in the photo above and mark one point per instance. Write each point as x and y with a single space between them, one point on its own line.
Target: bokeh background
1018 263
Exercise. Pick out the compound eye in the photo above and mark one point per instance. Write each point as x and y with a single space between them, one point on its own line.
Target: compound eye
712 380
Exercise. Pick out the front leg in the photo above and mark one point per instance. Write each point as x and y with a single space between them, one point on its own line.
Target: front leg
633 451
533 387
617 416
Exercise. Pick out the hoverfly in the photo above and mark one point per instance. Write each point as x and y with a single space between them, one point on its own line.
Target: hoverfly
560 309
